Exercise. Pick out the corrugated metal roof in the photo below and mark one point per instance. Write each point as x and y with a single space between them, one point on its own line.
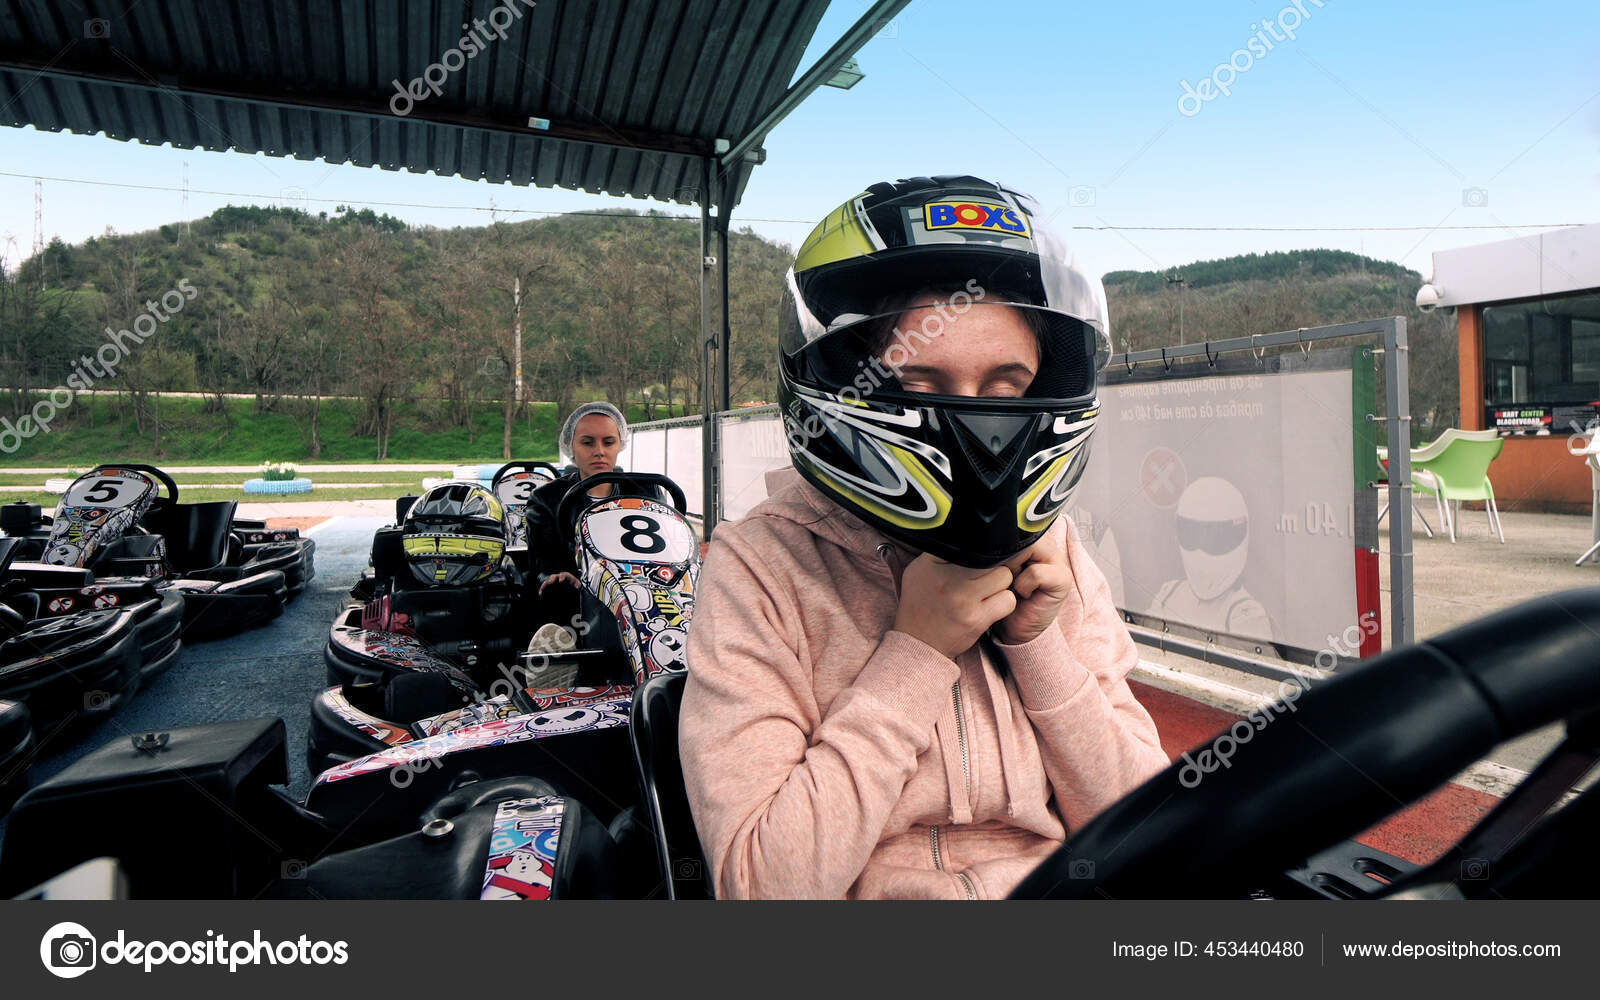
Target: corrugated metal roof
652 82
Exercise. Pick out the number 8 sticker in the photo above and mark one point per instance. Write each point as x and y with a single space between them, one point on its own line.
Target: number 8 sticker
629 536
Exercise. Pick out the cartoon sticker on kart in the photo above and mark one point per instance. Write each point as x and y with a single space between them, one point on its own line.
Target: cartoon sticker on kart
522 874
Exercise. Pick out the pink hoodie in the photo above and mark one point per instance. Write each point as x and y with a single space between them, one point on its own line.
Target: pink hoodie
827 755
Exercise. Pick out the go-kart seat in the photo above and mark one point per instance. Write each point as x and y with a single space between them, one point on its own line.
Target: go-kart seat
654 727
197 534
9 547
389 558
19 517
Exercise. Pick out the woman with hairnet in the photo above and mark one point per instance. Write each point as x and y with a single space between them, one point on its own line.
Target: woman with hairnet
591 438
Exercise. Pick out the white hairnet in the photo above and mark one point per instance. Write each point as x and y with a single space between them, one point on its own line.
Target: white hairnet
587 409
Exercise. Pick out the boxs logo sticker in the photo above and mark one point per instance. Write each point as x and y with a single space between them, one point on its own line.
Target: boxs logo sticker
974 215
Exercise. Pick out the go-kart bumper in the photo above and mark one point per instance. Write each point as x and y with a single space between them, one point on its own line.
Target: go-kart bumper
225 606
341 732
583 748
294 558
76 669
160 632
356 655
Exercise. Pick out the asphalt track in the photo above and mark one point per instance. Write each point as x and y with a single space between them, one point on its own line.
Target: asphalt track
274 670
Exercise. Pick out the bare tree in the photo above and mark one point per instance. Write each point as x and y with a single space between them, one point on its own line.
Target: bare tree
384 366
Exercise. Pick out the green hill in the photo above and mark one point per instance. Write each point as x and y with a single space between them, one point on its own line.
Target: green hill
1265 293
357 311
357 337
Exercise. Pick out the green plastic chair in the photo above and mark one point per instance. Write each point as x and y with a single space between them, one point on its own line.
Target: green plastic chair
1455 467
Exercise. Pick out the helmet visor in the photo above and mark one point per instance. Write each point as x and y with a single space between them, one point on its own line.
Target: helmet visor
910 341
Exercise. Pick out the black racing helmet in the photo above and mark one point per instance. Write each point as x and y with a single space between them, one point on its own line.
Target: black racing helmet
455 534
974 480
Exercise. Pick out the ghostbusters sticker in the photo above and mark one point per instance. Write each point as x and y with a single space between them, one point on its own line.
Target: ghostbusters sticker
522 849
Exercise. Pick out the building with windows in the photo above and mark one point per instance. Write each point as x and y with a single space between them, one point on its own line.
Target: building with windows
1528 319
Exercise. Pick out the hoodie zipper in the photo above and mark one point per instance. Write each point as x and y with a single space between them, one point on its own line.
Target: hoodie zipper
884 551
961 738
938 863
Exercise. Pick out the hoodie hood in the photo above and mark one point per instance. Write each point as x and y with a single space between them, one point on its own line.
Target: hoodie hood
790 497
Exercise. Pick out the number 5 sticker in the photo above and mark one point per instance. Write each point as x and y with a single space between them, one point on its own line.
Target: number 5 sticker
108 492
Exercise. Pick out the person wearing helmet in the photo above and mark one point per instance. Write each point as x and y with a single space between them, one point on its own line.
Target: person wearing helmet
906 677
454 535
1214 543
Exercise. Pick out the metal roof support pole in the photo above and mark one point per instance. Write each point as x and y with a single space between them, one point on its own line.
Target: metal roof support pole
1397 400
724 259
710 336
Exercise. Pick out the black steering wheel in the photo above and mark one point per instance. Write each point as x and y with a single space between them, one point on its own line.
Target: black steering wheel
1335 760
519 465
577 497
149 470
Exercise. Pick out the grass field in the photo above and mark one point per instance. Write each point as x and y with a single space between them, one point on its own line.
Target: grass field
241 436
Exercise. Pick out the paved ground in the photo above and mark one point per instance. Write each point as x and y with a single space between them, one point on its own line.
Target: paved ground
1454 584
271 671
382 509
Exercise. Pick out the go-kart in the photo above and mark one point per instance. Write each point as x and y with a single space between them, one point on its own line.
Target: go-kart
514 483
73 647
114 522
1352 751
419 663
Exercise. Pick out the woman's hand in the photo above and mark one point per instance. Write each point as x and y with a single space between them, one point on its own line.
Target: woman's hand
565 578
949 606
1042 582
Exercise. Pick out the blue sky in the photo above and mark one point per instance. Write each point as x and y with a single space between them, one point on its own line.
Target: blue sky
1373 115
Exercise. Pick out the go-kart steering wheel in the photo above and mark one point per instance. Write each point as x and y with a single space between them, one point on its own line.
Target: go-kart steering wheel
1261 798
149 470
577 497
519 465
